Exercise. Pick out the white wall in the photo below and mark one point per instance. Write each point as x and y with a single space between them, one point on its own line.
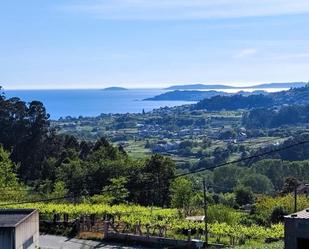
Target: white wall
27 229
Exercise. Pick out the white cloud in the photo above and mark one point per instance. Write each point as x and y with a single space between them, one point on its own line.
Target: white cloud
187 9
245 53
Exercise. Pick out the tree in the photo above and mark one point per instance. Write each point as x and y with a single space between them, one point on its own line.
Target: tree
226 178
7 175
220 155
234 102
59 190
258 183
23 130
290 183
228 134
277 215
73 174
181 194
159 172
116 192
273 169
243 195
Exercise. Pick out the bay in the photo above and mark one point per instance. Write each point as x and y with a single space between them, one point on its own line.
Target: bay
75 103
93 102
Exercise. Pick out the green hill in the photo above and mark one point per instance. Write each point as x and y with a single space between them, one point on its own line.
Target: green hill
292 96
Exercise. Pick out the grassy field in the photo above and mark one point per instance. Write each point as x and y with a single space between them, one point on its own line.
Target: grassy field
136 149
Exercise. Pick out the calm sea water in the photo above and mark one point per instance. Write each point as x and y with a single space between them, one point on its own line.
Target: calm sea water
74 103
62 103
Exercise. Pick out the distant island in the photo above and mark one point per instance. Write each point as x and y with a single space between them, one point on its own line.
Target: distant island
198 86
213 87
197 95
115 88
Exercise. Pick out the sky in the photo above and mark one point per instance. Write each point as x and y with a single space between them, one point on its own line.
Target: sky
152 43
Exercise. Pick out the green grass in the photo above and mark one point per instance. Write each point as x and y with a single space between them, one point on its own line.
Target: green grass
137 149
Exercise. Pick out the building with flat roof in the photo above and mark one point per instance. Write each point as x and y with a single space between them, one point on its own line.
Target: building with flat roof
19 228
296 230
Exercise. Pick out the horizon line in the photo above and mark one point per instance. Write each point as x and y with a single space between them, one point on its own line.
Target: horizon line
235 85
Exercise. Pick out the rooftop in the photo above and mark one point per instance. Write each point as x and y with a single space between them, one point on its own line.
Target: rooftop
13 217
304 214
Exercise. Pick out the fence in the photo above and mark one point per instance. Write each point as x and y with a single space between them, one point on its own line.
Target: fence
120 232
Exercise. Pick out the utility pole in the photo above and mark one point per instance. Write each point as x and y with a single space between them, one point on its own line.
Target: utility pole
205 213
295 198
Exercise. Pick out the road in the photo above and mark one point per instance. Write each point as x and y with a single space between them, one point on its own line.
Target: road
58 242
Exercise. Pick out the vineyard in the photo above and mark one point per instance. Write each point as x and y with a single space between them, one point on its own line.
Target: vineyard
168 220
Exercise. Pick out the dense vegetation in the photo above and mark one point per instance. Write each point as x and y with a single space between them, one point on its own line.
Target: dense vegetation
274 117
45 158
234 102
228 230
292 96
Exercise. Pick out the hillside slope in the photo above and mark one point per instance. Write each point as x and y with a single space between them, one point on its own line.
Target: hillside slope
292 96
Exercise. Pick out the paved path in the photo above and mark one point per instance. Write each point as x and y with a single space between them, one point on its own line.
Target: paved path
58 242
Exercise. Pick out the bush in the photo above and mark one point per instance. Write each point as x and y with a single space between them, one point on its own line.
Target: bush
223 214
243 196
278 214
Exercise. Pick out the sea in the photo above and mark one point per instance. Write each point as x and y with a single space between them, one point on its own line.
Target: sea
89 103
93 102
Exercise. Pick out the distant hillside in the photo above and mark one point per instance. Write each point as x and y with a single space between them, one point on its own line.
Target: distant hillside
198 86
281 85
234 102
187 95
276 117
218 86
115 88
196 95
292 96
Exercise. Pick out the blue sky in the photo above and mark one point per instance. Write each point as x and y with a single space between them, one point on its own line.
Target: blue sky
151 43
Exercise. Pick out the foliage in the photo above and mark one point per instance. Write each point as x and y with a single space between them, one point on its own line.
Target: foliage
226 178
288 152
243 195
59 190
24 130
45 159
290 185
8 177
258 183
223 214
292 96
159 171
182 194
116 192
277 171
234 102
278 214
156 217
265 205
270 118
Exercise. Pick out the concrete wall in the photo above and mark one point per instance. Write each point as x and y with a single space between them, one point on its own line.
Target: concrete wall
154 241
26 230
294 229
